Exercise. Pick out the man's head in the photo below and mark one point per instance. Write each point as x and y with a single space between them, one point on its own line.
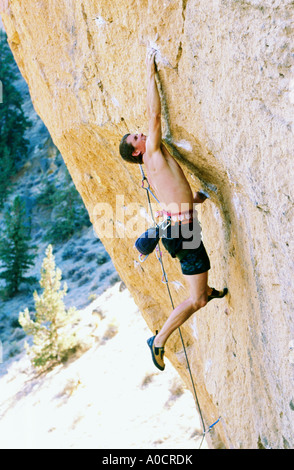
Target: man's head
132 147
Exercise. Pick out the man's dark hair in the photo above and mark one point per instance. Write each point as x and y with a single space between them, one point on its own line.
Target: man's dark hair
126 150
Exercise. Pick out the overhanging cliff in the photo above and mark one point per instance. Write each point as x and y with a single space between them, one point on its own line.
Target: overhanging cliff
226 75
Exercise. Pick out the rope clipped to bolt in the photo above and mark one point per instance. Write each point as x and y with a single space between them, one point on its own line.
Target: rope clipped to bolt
165 281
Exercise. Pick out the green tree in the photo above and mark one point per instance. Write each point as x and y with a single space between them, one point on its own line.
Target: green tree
52 328
69 213
13 122
15 248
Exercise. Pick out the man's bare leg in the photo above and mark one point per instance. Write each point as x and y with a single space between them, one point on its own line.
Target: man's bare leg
199 290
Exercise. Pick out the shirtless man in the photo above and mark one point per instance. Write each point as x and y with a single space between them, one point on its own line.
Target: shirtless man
177 200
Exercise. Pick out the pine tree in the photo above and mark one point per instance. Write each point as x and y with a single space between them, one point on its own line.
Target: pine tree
54 339
15 248
13 122
70 214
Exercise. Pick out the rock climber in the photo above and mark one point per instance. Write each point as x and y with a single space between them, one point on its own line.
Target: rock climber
177 200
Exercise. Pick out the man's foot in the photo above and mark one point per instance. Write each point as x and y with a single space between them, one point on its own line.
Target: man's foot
157 353
217 294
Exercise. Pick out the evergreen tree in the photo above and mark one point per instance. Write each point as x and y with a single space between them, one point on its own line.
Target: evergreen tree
15 248
54 339
13 122
69 213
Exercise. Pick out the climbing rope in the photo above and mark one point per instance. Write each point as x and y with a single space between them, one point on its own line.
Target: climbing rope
165 281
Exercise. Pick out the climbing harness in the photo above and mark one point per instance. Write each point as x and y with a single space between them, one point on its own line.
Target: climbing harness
165 281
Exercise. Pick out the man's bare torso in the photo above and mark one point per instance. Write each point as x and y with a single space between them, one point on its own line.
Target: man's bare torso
168 181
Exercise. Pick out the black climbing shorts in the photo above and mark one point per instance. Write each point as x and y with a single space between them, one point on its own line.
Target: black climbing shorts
185 244
194 261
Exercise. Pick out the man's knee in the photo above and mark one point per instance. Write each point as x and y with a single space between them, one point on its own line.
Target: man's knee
199 301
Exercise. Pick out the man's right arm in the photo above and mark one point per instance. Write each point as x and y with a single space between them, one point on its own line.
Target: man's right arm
153 106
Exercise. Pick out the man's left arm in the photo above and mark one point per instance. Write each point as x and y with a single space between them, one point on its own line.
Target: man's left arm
153 106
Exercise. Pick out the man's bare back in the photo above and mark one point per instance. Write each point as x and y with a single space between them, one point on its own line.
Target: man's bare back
168 180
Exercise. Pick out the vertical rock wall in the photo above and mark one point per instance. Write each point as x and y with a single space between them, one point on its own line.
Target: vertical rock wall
227 86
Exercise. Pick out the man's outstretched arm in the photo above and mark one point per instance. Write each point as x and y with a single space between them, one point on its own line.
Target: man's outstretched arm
153 105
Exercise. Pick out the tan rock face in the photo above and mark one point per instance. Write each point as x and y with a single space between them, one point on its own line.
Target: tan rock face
226 75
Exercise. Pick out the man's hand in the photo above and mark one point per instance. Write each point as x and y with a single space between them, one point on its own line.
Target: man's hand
199 197
150 62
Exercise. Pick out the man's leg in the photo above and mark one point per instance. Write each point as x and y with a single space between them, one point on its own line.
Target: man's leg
198 299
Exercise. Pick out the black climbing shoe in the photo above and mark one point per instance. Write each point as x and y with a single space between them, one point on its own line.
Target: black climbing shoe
217 294
157 353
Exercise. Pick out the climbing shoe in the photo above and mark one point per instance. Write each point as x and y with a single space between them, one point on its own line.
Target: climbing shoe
157 353
217 294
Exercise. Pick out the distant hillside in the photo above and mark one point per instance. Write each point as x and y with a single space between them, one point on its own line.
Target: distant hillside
86 266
